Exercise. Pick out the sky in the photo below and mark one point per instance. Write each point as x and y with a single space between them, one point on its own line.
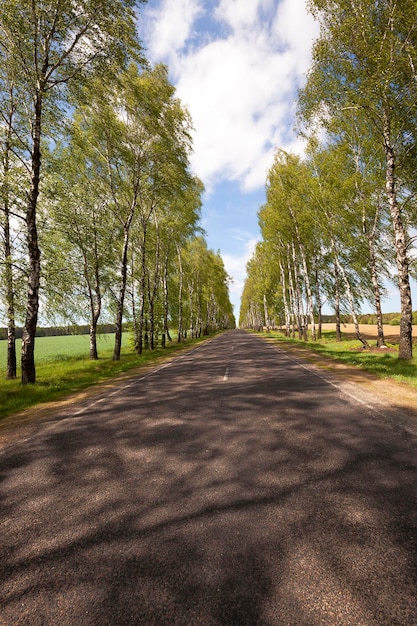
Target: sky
237 66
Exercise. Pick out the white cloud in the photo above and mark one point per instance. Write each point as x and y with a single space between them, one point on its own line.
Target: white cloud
238 79
169 26
294 27
240 13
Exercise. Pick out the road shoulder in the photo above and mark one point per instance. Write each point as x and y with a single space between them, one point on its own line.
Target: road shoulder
385 397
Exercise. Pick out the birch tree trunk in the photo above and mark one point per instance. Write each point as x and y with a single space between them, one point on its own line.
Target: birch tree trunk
95 314
95 298
302 331
32 301
266 314
11 324
133 301
337 300
352 305
96 301
166 297
374 277
292 296
95 308
309 293
180 288
122 291
192 316
199 317
153 288
319 303
8 265
406 322
142 293
285 300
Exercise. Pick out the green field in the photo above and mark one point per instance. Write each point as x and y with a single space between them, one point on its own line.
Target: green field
62 348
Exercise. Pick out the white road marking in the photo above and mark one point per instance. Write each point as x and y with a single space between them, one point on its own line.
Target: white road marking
118 390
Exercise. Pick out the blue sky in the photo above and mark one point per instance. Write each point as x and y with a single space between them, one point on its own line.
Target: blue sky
236 65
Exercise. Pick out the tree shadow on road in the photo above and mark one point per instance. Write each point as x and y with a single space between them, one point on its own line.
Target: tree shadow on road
270 501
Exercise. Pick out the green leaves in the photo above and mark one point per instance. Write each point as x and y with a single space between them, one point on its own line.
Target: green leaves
332 209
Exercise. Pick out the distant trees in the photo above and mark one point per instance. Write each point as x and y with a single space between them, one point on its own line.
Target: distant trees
324 226
127 206
263 301
203 304
331 232
94 172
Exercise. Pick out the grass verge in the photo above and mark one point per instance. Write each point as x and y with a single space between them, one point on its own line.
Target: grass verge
70 373
383 363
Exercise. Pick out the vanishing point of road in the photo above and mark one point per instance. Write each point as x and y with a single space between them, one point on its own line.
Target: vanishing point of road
233 485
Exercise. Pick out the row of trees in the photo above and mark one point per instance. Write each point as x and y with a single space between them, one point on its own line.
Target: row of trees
112 203
337 222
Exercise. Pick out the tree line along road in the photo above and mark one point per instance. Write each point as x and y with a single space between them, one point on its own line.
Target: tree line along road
230 486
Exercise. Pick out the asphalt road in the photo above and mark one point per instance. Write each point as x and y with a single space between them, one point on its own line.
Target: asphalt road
231 486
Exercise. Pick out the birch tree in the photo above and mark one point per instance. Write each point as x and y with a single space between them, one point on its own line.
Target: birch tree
354 213
137 137
261 297
50 45
164 128
10 177
288 219
205 281
78 241
176 220
364 61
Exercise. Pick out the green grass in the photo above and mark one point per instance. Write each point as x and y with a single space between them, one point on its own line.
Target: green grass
62 348
382 363
63 367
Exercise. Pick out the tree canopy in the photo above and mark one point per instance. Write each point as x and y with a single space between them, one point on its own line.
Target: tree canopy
341 218
98 202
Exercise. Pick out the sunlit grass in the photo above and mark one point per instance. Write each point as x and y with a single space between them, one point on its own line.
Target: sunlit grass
63 348
63 367
384 363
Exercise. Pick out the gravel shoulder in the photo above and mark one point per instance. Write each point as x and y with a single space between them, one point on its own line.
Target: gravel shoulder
382 395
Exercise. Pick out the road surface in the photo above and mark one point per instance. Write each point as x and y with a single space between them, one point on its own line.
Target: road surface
231 486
